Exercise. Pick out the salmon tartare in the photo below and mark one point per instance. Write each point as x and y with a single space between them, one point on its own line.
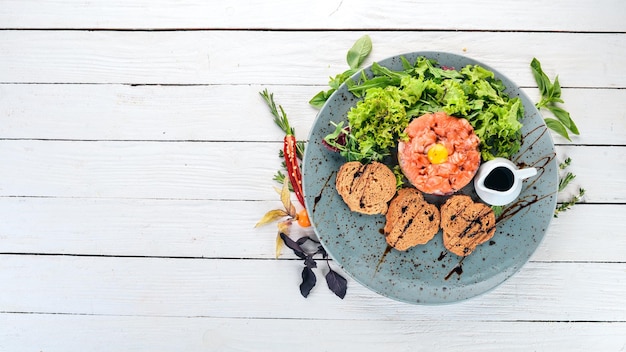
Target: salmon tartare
441 155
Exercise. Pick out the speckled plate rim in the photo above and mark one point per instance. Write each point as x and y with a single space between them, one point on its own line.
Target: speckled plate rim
319 191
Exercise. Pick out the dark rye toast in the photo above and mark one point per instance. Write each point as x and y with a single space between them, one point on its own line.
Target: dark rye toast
466 224
366 188
411 220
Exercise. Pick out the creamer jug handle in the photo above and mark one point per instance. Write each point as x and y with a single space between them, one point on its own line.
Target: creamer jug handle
525 173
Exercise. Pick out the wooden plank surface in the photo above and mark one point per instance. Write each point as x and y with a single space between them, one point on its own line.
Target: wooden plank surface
233 334
136 157
225 112
218 229
268 57
195 334
211 170
533 15
183 287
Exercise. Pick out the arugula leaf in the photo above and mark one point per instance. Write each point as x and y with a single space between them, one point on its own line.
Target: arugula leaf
320 98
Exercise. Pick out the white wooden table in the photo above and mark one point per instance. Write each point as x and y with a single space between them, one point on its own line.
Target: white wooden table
136 157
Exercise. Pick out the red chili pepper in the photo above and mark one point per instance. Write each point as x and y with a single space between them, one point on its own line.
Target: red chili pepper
293 168
290 145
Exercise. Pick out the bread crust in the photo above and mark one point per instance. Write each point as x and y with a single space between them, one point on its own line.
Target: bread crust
366 188
466 224
411 220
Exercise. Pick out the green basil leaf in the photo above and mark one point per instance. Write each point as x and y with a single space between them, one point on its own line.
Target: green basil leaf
557 127
555 100
359 51
564 117
556 88
547 84
543 82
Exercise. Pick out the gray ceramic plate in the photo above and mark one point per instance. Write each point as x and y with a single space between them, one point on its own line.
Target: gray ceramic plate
429 274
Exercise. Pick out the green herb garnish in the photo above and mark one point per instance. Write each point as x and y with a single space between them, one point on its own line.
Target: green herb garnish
497 210
570 203
355 57
550 97
564 181
392 98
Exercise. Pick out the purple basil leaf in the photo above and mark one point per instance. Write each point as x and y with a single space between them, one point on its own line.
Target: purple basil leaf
293 245
308 281
322 251
329 147
310 262
302 240
337 283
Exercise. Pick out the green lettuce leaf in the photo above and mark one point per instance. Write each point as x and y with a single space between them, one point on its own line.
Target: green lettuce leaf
392 98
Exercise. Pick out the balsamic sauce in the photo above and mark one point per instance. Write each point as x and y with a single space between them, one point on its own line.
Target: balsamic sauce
382 258
319 196
442 255
500 179
456 270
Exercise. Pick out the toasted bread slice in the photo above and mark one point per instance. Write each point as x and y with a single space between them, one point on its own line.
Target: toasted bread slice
466 224
411 220
366 188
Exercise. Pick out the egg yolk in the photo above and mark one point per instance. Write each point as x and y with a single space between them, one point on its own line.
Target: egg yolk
437 154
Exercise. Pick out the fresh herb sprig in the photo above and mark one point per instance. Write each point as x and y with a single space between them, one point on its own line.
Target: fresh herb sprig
562 125
568 177
550 97
355 57
564 180
497 210
570 203
392 98
336 283
291 157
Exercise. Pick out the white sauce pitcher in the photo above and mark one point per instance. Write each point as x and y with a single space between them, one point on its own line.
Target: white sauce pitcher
499 181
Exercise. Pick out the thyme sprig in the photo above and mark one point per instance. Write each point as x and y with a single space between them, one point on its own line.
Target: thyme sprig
564 181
